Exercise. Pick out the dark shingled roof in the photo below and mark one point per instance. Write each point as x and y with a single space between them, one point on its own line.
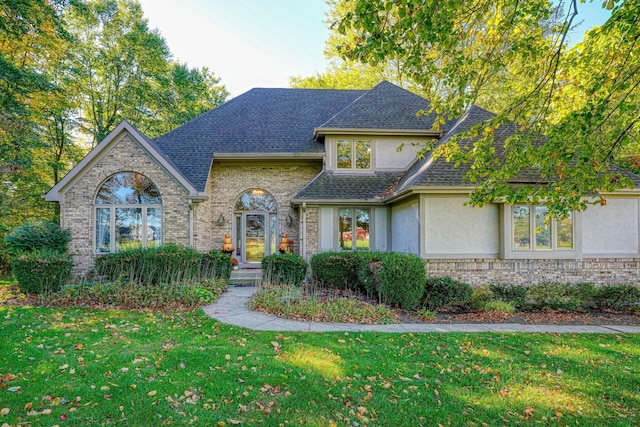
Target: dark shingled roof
329 186
427 172
259 121
386 106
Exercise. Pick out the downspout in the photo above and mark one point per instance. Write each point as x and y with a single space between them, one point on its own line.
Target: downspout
303 224
191 223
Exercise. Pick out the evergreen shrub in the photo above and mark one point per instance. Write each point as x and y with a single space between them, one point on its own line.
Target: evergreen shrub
515 295
445 291
284 269
616 296
339 270
41 270
37 235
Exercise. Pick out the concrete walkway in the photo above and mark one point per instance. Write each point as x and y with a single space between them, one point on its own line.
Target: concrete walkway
231 308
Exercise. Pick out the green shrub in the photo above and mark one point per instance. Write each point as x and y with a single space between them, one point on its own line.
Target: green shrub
289 269
338 270
216 264
37 235
166 264
481 296
515 295
443 291
133 295
559 296
41 271
616 296
500 306
395 278
169 264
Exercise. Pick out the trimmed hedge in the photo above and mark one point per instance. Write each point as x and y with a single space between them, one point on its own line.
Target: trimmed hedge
41 271
616 296
399 278
443 291
391 277
287 269
163 265
340 270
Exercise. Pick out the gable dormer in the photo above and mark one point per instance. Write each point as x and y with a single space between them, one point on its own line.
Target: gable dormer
381 130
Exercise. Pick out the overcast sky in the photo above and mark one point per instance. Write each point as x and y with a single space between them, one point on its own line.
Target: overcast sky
261 43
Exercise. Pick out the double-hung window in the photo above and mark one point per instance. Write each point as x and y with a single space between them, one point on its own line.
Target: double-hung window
533 230
354 154
353 229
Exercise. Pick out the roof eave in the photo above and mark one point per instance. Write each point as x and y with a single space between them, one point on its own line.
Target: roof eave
322 131
370 202
268 156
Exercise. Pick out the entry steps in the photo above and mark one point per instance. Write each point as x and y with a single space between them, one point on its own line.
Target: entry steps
249 276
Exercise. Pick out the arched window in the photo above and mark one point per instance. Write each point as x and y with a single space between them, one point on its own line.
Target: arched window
128 213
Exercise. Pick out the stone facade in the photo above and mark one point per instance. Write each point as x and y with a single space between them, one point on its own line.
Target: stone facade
77 211
228 179
601 271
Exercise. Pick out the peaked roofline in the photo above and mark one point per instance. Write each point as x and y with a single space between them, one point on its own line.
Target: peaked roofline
56 192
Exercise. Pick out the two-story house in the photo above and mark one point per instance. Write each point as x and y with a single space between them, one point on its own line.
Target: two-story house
323 166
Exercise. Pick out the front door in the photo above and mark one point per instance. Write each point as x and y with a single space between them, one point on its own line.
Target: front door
255 236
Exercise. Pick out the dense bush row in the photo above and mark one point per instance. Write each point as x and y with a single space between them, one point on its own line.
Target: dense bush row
284 269
133 295
445 291
392 278
38 253
163 265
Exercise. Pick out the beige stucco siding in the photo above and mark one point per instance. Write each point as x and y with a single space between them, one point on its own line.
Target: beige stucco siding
386 154
452 229
405 223
77 206
611 229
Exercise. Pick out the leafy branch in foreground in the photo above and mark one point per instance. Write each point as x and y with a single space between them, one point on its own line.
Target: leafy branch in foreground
585 100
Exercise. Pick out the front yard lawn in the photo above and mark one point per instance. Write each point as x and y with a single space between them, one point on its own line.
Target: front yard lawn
79 367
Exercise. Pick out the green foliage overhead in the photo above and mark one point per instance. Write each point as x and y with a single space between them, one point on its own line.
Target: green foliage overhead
585 99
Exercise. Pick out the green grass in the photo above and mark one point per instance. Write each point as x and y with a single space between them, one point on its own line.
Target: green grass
79 367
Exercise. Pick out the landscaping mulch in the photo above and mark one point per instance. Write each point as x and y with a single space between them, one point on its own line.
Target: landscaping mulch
547 317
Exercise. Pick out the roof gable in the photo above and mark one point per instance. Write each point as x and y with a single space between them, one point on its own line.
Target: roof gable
385 107
116 135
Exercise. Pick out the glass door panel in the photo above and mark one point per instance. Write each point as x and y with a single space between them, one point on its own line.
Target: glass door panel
255 237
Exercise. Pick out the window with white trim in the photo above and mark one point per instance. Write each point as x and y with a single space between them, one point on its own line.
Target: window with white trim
353 229
533 230
128 210
353 154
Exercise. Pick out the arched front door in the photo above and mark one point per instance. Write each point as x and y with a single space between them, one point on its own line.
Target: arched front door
255 226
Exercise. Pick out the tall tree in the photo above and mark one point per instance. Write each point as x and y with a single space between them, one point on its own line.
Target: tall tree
120 65
583 100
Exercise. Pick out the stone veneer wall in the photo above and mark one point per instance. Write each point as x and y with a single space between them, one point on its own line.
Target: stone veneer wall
529 272
228 179
312 232
77 211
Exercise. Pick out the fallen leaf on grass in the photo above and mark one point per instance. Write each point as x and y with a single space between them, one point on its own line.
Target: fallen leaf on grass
5 411
152 393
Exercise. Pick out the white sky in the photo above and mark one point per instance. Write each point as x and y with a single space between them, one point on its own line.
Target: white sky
261 43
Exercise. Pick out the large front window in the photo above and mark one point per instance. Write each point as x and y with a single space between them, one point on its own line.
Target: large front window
533 230
354 154
128 213
353 229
